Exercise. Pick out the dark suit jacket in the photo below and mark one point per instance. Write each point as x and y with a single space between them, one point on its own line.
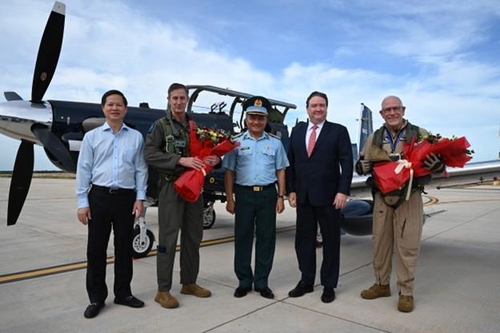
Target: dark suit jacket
328 170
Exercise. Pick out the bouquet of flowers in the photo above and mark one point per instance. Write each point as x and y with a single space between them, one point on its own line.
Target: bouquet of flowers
453 152
202 142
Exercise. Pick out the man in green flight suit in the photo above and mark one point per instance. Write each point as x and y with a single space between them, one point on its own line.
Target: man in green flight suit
167 151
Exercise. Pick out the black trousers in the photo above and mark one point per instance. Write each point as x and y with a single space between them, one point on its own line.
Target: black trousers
308 218
109 211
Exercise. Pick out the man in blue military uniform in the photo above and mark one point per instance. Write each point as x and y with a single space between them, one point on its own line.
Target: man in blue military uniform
255 175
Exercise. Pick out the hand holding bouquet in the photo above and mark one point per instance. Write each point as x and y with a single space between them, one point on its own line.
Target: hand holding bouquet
203 142
453 152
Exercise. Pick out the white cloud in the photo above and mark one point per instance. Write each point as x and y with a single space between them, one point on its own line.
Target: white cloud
435 55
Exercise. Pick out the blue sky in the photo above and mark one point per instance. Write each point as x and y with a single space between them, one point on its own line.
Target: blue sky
441 57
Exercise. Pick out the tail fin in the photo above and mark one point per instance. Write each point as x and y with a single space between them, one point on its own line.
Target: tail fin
366 125
365 129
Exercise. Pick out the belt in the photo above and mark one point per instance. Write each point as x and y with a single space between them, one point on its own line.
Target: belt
112 190
258 188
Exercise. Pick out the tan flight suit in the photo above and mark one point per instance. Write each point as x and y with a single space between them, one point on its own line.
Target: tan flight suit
397 223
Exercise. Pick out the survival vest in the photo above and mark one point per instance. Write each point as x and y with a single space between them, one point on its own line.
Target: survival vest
411 131
376 153
176 142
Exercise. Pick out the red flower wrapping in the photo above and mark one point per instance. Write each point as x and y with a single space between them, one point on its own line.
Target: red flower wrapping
190 183
387 179
453 152
415 153
390 176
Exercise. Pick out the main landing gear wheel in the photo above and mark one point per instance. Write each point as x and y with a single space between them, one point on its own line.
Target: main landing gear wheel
141 249
208 216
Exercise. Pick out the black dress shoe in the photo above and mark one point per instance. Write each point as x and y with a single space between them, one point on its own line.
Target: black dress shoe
265 292
93 310
328 295
241 291
129 301
301 289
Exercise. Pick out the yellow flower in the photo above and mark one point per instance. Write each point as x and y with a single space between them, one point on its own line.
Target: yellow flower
212 134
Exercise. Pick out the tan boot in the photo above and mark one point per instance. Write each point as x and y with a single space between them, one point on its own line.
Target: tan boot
165 299
376 291
196 290
405 303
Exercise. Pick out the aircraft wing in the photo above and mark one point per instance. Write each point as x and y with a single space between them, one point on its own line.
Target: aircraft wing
472 173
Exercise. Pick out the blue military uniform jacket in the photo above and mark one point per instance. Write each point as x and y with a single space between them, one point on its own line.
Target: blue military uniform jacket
255 161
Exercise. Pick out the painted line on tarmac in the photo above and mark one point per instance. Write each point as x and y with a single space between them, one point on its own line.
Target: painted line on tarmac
36 273
32 274
430 200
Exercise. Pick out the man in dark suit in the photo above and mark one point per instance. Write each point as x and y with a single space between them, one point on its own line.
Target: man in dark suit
318 181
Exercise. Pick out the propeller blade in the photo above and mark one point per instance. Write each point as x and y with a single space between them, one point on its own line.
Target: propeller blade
54 145
48 52
12 96
21 180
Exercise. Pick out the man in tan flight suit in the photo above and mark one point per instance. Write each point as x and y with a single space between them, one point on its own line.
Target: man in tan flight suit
396 222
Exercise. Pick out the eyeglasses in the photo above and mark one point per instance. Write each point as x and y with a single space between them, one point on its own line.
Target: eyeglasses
392 108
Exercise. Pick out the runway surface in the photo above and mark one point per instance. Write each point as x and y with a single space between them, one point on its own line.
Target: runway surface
42 275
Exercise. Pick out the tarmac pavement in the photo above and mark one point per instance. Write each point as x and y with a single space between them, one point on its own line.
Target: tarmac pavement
42 275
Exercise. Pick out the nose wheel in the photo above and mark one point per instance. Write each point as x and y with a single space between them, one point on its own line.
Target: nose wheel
142 239
209 216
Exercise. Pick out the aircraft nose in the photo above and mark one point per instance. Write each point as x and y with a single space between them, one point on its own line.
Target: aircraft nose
17 117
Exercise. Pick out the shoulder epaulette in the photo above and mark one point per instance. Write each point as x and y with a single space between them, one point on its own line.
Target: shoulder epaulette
238 135
274 136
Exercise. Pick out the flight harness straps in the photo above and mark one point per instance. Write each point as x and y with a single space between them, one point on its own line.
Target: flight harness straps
176 144
411 131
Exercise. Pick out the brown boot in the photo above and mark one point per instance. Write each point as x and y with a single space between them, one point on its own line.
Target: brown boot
195 290
405 303
376 291
165 299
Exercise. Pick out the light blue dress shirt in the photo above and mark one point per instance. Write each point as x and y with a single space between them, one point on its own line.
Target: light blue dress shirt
255 161
111 160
